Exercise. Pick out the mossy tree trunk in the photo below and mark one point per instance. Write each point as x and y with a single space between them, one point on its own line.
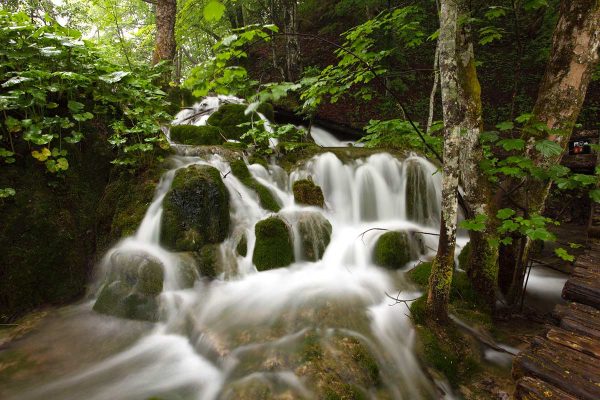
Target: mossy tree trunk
165 47
443 265
482 266
574 57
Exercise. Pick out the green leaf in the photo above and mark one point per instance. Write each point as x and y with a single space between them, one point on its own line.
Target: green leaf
505 126
214 10
7 192
548 148
539 234
595 195
523 118
505 213
75 106
564 254
512 144
114 77
476 224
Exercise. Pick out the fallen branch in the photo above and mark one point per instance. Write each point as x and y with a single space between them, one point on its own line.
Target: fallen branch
398 300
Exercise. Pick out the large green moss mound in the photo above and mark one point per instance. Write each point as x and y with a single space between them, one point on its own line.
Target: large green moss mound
274 247
306 192
315 234
131 287
267 200
195 210
196 135
392 250
228 117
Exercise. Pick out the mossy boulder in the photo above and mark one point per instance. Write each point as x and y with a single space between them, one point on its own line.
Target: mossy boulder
242 246
392 250
196 135
463 257
306 192
209 260
315 234
267 200
131 288
228 117
195 210
274 246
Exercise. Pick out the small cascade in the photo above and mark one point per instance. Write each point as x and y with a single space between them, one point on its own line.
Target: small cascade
213 338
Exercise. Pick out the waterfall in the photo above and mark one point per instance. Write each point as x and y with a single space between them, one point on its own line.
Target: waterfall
243 326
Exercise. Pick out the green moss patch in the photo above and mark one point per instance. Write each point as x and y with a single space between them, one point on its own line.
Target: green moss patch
242 246
267 200
196 135
229 116
392 250
306 192
274 247
196 209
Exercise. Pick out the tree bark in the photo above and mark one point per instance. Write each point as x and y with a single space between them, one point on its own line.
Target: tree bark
165 45
573 58
443 264
292 44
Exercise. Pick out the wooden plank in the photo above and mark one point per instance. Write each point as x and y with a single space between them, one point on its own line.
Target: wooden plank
568 370
585 328
582 291
534 389
574 341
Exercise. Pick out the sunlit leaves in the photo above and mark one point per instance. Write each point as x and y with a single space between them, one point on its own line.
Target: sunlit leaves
564 254
7 192
214 10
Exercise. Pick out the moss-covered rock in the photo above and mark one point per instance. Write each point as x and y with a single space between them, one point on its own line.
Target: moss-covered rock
196 135
196 209
267 200
228 117
133 282
463 257
306 192
242 246
267 110
274 246
392 250
315 234
209 259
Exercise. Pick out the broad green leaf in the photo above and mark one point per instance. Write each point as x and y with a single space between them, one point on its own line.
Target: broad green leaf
595 195
476 224
505 213
523 118
512 144
75 106
214 10
548 148
7 192
564 254
114 77
41 155
505 126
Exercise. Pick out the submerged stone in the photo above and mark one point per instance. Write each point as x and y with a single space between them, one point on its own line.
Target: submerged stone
195 210
274 245
392 250
306 192
242 246
132 286
196 135
315 234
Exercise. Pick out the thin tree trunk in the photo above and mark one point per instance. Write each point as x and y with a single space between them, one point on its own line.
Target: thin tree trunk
292 44
165 45
434 89
443 264
574 57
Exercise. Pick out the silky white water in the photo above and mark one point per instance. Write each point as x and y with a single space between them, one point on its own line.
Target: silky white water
242 327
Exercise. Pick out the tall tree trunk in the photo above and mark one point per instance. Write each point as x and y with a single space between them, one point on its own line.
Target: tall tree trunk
443 264
165 45
482 266
574 56
292 44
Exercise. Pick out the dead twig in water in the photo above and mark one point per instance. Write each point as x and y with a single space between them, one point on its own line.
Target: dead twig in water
398 300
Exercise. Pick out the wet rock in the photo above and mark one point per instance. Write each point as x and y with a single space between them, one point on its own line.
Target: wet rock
306 192
242 246
392 250
315 234
133 283
196 135
187 269
267 200
274 246
196 209
209 261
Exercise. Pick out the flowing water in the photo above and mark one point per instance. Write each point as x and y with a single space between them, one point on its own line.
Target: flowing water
248 327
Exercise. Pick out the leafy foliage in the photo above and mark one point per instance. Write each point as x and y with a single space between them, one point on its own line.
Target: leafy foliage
56 86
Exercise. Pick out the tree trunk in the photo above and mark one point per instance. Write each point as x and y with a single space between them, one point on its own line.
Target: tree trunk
443 264
574 56
482 266
165 46
292 44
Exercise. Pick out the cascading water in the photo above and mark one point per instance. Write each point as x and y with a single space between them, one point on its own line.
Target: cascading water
246 328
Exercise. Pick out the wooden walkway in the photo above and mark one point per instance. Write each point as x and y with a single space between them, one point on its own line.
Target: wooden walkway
564 363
